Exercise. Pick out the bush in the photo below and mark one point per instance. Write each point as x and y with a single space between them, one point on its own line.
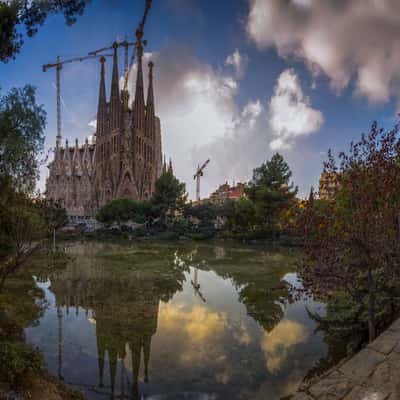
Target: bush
16 360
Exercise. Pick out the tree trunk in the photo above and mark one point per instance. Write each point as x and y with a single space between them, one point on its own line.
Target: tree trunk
2 280
371 307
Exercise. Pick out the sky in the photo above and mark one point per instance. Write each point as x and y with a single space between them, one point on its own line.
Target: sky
235 80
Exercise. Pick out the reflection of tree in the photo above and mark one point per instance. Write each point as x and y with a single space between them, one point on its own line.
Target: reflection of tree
256 274
123 291
22 300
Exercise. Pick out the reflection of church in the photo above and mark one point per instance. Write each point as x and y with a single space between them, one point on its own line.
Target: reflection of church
124 307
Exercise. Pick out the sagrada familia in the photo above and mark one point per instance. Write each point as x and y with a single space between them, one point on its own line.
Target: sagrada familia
123 160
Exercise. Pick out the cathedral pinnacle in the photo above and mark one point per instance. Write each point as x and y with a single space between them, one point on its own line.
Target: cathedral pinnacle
115 112
138 107
150 113
102 107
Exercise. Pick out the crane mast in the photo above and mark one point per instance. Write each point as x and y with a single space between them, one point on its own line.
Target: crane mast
198 174
58 65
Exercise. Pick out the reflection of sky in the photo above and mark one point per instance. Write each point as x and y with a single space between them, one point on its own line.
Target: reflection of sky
202 349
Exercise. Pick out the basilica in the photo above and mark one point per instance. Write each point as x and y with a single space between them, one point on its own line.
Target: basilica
124 158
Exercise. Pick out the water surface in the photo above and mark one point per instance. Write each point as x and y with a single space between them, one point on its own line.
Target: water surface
187 321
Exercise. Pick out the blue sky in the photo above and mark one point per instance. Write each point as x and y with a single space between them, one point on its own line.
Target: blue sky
234 80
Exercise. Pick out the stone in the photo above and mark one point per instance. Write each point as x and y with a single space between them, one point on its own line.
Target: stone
395 327
372 374
362 365
333 386
386 342
361 393
302 396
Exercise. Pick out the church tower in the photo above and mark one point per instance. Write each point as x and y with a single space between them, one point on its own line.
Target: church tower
125 158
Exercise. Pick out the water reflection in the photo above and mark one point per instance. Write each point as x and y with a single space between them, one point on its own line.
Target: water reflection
164 322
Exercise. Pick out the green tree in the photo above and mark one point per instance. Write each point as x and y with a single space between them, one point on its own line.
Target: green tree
271 192
169 195
122 210
245 214
23 225
206 212
22 230
31 14
54 215
118 210
22 123
273 173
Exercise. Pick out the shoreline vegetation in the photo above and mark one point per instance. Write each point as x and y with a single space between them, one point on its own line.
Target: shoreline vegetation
23 374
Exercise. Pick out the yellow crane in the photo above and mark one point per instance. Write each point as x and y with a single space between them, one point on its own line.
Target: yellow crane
198 174
58 65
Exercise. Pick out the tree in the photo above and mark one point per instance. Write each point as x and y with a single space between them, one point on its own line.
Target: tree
352 244
205 212
245 214
21 233
22 224
31 14
118 210
54 215
22 123
273 173
169 195
122 210
271 192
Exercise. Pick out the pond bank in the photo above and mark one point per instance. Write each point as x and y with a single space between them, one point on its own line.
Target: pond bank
23 374
370 374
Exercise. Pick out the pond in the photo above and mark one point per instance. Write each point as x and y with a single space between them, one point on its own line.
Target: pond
183 321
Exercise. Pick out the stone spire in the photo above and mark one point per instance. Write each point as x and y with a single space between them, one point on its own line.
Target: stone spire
58 141
138 106
150 114
170 169
115 104
102 107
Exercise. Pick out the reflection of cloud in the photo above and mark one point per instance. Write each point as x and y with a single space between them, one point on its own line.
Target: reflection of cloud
277 343
199 326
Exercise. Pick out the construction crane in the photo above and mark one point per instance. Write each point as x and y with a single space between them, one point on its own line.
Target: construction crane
139 43
196 285
58 66
125 44
199 173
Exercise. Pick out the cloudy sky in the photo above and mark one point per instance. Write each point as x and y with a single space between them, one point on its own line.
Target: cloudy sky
235 80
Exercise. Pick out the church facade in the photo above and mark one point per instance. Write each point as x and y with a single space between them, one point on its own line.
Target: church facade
123 160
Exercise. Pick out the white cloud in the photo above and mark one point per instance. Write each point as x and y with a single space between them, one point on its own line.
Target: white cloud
93 124
196 104
239 63
290 113
341 39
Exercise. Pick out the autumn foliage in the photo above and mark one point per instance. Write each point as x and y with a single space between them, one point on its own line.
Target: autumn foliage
352 244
